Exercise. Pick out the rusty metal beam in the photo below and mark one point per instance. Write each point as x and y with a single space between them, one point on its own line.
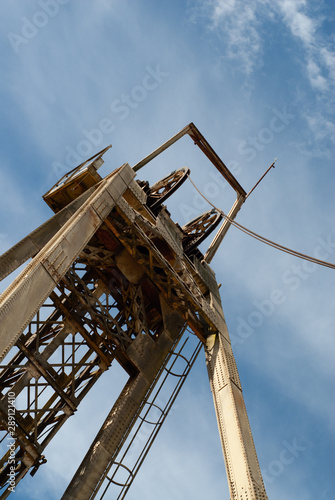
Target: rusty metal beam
205 147
41 275
35 241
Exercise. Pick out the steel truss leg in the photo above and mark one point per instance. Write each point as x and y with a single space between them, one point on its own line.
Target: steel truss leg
242 467
148 355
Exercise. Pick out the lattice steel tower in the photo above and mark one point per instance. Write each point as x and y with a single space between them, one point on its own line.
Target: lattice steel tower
112 277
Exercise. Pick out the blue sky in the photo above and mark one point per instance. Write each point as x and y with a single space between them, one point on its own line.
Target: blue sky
257 79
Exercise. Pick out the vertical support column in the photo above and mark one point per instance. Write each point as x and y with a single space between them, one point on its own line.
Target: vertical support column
242 467
213 247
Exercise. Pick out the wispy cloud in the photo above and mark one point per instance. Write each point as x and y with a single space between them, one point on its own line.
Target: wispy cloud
237 24
242 25
242 28
320 60
322 128
301 26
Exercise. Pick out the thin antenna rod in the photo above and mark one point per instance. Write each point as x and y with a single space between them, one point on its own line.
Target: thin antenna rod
271 166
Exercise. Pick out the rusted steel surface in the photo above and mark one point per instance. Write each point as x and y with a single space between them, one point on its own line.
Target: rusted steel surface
101 268
112 277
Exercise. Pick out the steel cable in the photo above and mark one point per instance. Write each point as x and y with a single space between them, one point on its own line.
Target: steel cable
262 238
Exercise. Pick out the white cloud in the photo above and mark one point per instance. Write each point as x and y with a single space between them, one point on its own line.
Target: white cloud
328 58
241 23
237 22
321 127
222 8
301 26
241 29
316 79
320 61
